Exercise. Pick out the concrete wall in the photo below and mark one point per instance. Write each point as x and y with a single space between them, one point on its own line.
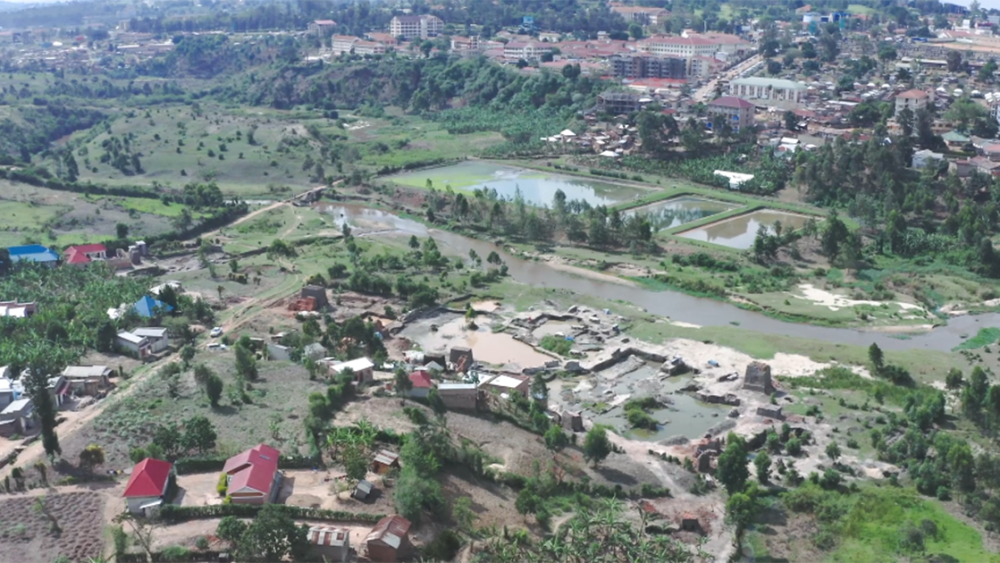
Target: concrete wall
460 400
134 504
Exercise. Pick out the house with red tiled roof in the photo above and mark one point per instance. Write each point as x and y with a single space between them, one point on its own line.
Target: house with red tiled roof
85 253
253 476
147 486
420 383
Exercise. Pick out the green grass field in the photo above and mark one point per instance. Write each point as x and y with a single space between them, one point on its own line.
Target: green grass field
179 144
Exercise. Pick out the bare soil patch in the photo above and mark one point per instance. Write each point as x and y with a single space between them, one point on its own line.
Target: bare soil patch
27 534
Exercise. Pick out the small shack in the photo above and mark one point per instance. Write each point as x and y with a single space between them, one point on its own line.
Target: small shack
362 368
314 351
389 540
461 358
318 294
771 411
329 543
87 380
758 378
363 489
385 461
20 410
277 352
690 523
572 421
508 384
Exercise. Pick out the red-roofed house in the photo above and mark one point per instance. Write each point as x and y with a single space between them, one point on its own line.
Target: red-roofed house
147 485
737 111
85 253
389 540
253 475
421 383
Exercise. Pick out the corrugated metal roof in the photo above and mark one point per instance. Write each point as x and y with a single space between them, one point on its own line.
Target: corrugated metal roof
385 457
329 536
390 530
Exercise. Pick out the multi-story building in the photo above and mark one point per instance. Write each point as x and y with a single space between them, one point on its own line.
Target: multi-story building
322 27
461 44
639 66
913 100
641 14
340 44
411 27
618 103
527 50
738 113
773 89
675 46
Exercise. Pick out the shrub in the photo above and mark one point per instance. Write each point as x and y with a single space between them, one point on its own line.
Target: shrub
556 344
443 548
794 446
223 486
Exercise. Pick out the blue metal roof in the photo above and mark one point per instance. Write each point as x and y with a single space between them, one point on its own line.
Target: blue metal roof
147 306
32 253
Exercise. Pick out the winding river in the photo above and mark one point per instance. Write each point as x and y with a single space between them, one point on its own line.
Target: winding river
675 305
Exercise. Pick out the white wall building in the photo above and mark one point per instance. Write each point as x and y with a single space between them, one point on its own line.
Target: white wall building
774 89
412 27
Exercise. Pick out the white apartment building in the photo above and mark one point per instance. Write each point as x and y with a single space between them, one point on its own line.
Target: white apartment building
774 89
527 50
340 44
682 47
411 27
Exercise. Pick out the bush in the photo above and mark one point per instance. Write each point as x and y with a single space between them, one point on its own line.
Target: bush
223 486
443 548
556 344
794 446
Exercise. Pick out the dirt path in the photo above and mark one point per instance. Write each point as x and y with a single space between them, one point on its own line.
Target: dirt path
265 209
74 424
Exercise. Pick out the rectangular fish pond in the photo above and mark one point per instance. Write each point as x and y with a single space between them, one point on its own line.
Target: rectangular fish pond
739 232
538 188
677 211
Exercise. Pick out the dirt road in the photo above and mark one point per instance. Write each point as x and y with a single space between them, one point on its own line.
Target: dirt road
75 423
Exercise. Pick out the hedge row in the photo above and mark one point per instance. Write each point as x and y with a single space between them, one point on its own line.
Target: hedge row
173 513
77 187
168 557
515 481
187 465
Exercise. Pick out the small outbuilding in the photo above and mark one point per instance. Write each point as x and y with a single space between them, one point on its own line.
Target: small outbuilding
20 411
363 490
385 461
389 540
362 368
329 543
461 357
758 378
87 380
